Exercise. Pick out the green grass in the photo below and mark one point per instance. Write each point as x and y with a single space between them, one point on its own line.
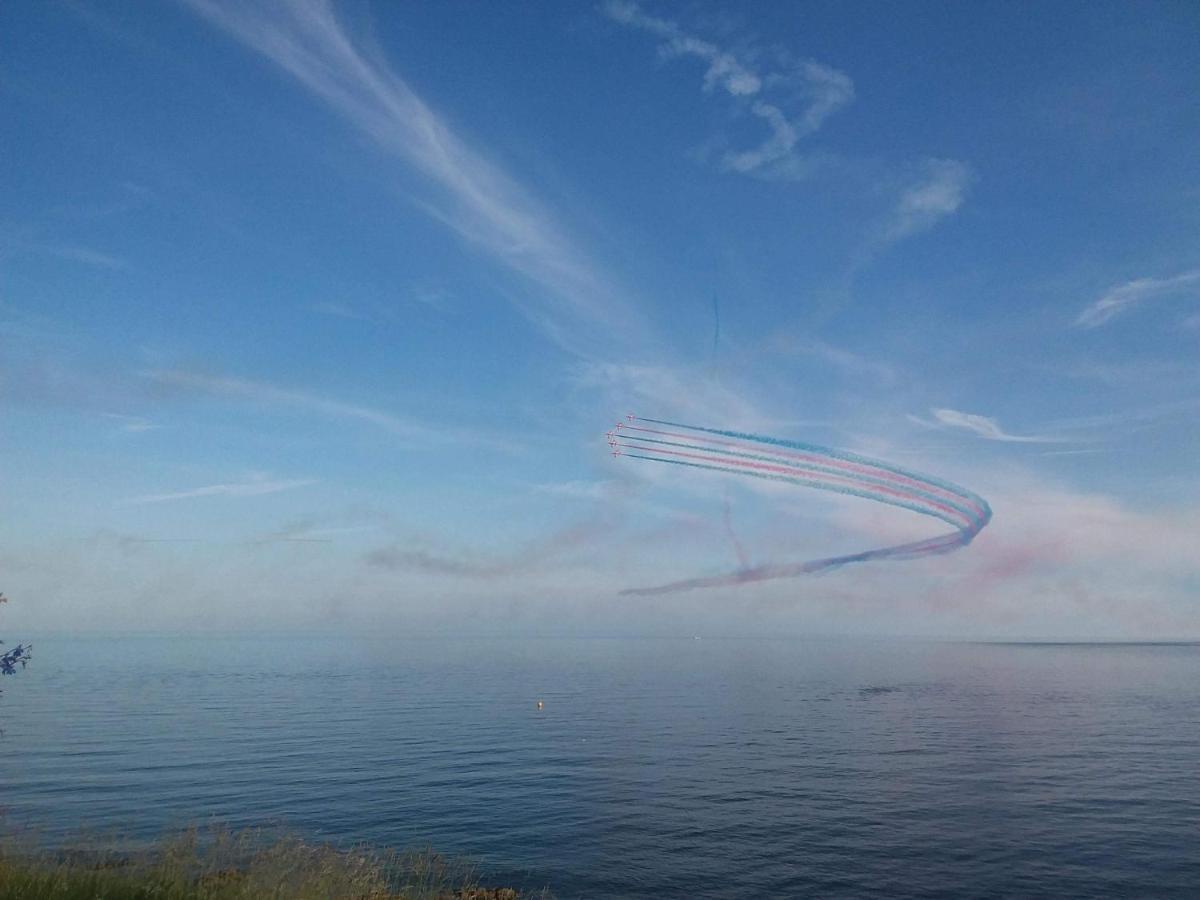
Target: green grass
218 864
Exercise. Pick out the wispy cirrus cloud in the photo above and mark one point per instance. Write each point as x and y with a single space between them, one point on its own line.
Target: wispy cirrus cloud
272 395
341 311
792 98
1129 420
255 487
131 424
85 255
467 192
1076 451
24 241
845 361
376 313
981 426
406 429
1144 373
673 391
1123 297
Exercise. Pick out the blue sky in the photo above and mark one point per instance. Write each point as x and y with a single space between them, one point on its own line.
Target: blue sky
314 316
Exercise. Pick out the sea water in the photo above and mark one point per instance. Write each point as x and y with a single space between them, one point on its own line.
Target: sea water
655 768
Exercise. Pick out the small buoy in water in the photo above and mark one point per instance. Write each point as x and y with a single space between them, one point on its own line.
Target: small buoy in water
540 704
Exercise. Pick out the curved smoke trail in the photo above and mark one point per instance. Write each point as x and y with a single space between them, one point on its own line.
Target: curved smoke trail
805 465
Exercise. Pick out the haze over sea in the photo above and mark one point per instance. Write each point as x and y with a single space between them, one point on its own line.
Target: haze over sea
657 767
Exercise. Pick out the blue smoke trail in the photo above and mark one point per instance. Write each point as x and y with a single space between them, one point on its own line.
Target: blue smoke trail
862 477
832 453
811 483
967 512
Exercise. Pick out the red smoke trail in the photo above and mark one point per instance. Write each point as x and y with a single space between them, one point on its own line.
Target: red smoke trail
853 474
833 462
731 465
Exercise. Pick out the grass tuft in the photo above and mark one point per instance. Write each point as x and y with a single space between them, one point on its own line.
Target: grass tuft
221 864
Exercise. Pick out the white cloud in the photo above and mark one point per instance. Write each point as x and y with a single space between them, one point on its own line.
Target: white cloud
132 424
982 426
827 90
76 253
723 69
670 392
433 297
938 192
253 488
1129 420
793 99
467 192
846 361
341 311
776 147
265 394
87 256
270 395
378 313
1144 373
1077 451
1123 297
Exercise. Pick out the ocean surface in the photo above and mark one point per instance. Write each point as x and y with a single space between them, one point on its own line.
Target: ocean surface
657 768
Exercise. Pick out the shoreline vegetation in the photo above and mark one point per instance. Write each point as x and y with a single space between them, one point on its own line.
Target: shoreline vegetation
222 864
19 655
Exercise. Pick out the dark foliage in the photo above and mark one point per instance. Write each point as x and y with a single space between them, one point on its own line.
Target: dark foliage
17 656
